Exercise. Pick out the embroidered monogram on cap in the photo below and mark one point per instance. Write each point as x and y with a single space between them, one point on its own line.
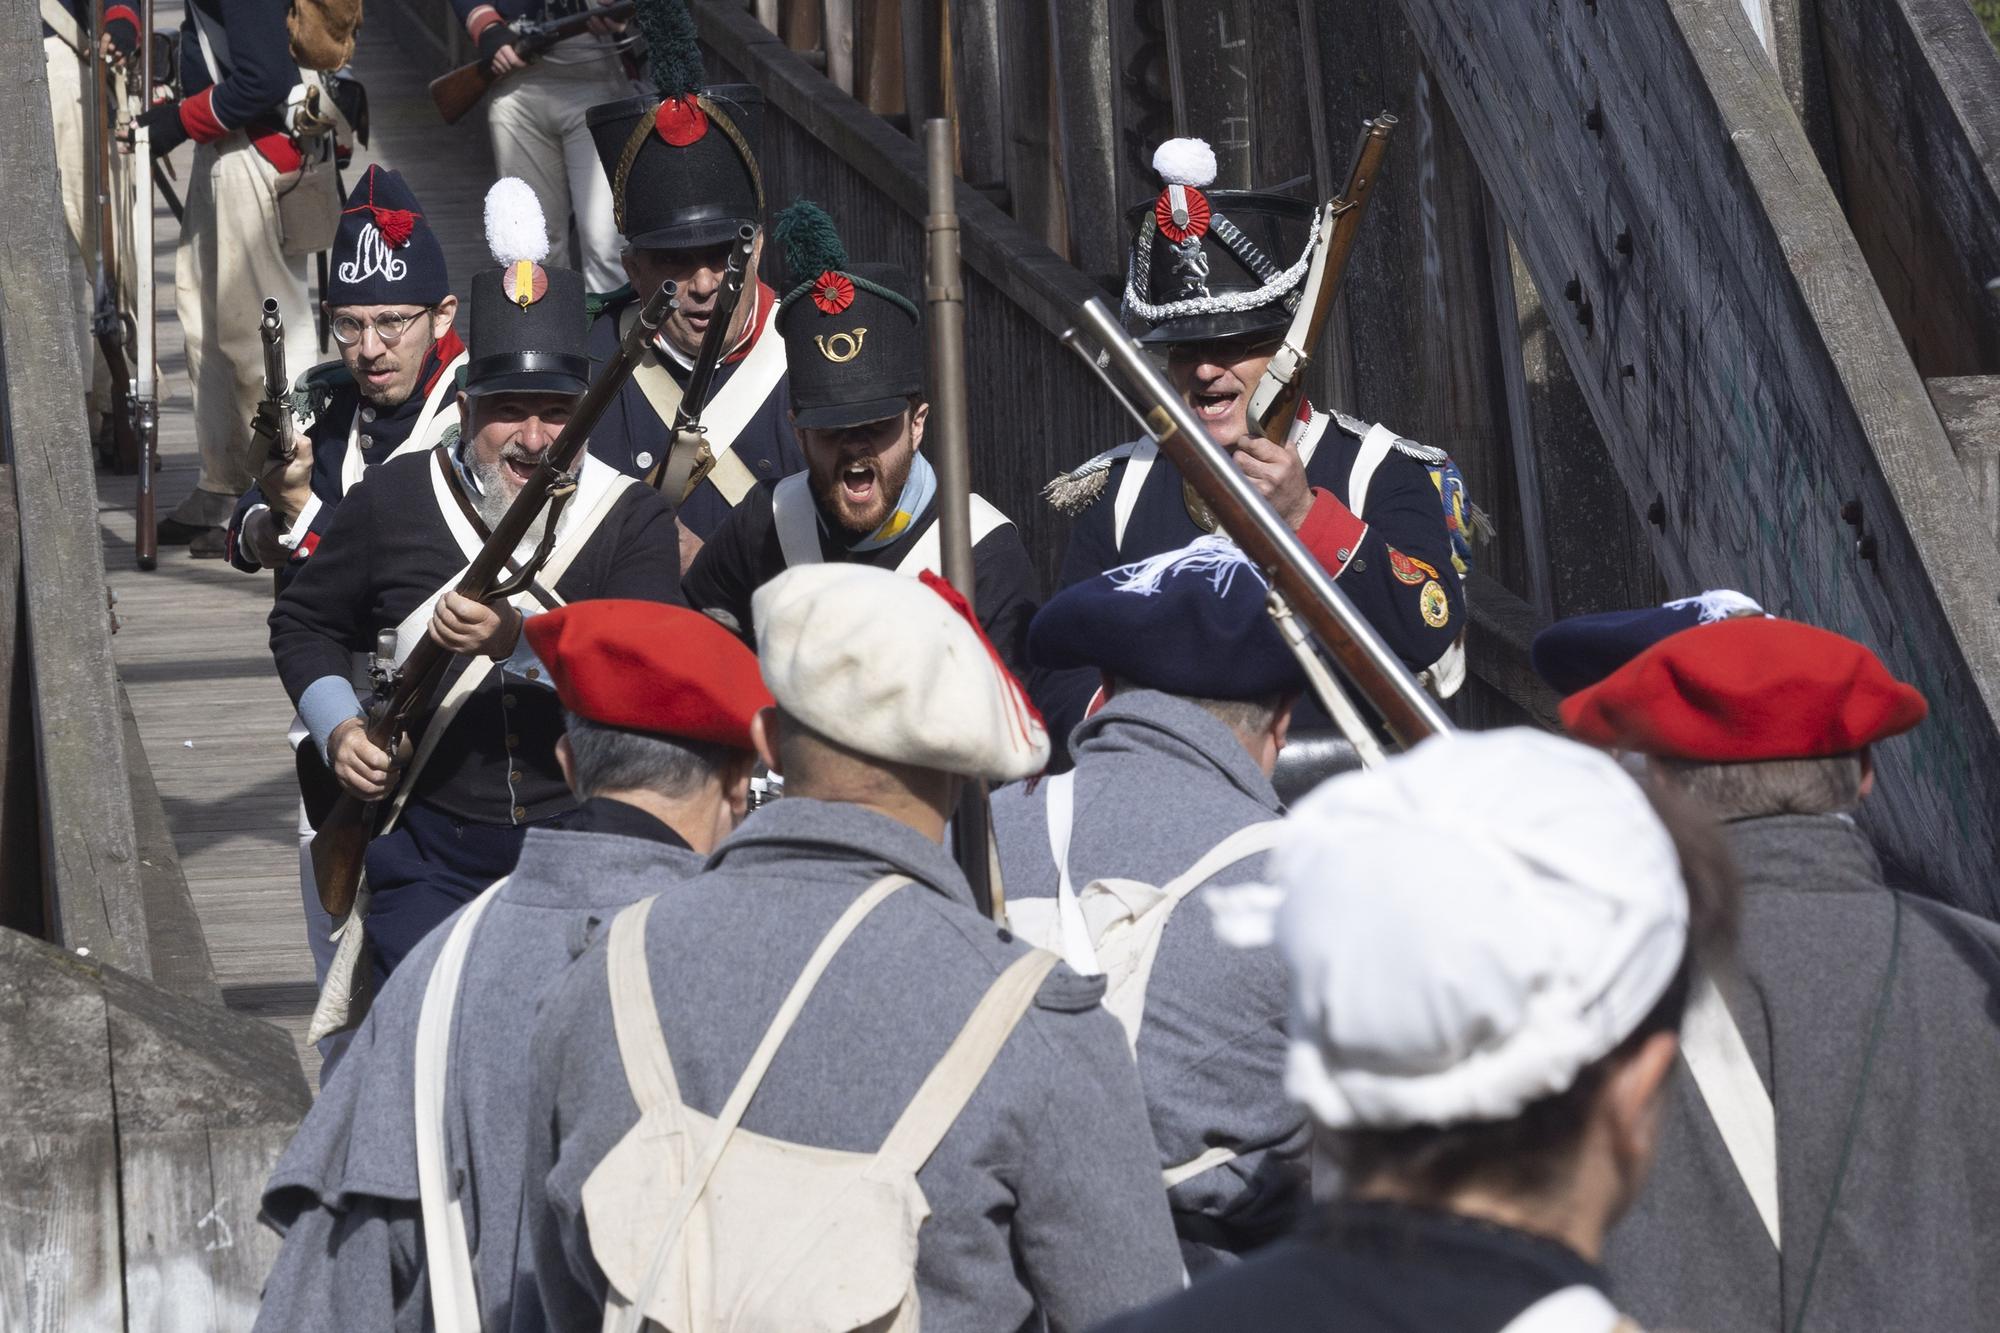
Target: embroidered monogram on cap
373 255
840 348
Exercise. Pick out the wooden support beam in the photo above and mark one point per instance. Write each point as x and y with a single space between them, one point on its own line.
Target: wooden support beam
87 811
1734 351
1970 410
1915 91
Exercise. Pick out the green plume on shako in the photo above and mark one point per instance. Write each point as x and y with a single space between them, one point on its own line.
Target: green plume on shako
673 47
810 241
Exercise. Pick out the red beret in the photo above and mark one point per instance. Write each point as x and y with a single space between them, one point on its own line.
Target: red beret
1741 690
650 667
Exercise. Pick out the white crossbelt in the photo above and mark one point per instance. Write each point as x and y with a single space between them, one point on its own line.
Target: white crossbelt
1736 1098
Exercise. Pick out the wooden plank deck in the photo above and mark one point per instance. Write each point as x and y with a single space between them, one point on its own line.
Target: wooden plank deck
191 645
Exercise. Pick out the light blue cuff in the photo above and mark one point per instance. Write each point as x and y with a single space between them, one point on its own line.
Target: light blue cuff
524 663
328 702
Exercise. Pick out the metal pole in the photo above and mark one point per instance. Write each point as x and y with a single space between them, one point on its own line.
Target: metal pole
944 299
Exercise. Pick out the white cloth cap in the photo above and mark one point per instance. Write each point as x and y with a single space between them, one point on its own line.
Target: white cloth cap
1466 927
883 663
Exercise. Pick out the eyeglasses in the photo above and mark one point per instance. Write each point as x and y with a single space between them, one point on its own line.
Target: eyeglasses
389 326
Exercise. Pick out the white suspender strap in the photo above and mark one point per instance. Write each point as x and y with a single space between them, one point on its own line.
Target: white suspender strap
798 523
927 551
1072 932
1736 1098
64 25
1144 454
1375 447
448 1266
1246 841
955 1077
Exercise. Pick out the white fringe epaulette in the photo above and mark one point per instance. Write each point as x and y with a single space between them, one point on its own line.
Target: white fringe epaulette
1215 556
1076 490
1427 454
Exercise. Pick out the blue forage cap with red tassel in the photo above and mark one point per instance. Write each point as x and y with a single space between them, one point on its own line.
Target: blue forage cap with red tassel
385 252
683 165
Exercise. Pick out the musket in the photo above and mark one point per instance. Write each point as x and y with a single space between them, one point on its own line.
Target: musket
1301 585
344 832
946 436
689 458
458 91
273 408
1275 401
145 403
107 323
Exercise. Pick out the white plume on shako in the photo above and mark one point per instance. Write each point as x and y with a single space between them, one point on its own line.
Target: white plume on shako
1185 162
516 231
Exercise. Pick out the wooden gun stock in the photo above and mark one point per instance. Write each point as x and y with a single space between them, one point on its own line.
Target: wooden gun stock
457 91
340 840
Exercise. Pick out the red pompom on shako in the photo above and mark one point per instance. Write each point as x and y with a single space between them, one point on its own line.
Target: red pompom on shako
1182 213
680 121
649 667
832 292
1743 690
395 224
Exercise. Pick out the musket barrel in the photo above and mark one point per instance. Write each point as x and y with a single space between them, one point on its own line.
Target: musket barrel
1411 713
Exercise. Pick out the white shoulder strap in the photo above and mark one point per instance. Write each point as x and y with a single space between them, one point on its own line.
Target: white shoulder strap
1736 1098
448 1263
730 410
1144 454
1073 940
64 25
1577 1309
1375 446
927 552
1247 841
798 524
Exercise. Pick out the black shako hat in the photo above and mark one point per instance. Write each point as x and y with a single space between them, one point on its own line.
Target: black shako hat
854 339
682 166
385 253
1214 263
529 330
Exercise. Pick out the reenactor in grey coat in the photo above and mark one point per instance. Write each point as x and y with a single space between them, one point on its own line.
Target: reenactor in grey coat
662 772
1484 1031
1199 690
1036 1198
1824 1162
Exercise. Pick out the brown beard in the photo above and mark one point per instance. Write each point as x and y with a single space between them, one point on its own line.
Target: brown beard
889 490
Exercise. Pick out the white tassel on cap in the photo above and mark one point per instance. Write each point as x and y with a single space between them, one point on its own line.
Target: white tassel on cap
1719 604
1215 556
516 231
1185 162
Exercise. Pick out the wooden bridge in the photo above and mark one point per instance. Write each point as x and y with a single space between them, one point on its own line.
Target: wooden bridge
1693 290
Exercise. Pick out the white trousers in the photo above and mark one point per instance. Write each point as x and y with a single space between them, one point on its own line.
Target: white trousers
229 260
319 939
538 134
79 198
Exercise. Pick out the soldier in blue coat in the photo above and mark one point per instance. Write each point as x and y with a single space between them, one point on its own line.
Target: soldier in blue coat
392 392
684 182
1215 278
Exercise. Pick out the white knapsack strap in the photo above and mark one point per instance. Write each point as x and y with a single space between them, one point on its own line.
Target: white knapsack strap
797 522
955 1077
1736 1098
1246 841
635 1018
1375 447
448 1256
1072 940
753 1076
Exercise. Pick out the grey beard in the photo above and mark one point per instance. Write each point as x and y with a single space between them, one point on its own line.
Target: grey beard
493 501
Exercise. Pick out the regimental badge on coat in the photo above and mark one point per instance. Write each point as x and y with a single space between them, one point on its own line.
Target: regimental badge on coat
1408 569
1433 603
